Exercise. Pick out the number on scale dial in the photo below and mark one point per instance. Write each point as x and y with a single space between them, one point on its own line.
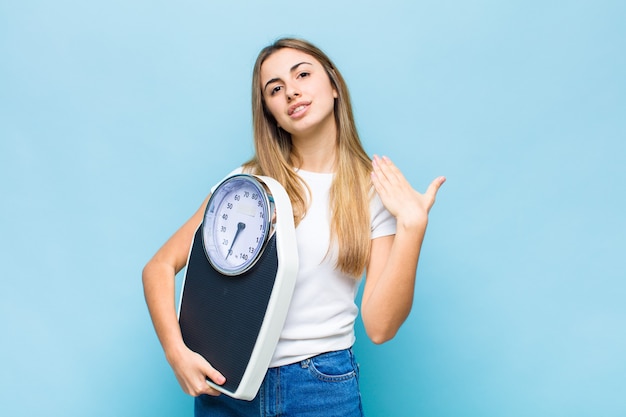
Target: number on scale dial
236 224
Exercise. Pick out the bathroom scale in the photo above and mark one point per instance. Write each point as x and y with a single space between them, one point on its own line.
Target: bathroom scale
239 280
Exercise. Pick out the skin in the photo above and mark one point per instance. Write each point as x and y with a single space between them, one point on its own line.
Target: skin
292 80
393 260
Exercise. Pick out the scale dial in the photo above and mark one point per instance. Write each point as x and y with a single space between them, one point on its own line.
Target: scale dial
237 224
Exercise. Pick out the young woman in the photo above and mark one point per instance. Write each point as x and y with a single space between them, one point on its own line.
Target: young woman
352 214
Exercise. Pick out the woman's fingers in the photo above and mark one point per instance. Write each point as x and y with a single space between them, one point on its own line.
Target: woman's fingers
214 375
433 188
396 192
387 178
193 371
208 373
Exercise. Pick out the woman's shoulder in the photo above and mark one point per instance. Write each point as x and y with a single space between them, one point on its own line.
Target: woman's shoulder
238 170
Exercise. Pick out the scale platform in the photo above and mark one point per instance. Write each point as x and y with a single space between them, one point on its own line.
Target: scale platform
235 322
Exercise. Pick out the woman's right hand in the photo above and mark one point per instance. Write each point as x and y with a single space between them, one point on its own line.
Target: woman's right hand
192 372
190 368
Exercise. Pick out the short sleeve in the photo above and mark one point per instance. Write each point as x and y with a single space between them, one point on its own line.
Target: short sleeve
382 222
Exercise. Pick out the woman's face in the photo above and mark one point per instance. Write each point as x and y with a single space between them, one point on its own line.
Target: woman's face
298 92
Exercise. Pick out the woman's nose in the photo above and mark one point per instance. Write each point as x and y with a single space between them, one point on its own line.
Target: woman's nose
292 93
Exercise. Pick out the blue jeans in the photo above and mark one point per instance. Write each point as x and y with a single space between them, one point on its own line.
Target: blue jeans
326 385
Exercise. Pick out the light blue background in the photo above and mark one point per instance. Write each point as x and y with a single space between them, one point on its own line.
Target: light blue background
117 116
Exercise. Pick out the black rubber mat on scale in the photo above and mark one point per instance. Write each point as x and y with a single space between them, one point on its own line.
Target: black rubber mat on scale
220 316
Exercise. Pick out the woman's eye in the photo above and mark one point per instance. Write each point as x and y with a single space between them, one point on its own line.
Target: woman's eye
275 90
303 74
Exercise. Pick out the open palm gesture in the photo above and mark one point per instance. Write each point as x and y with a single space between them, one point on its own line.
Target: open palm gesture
402 201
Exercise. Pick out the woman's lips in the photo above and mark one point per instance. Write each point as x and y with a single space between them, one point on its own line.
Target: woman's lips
298 109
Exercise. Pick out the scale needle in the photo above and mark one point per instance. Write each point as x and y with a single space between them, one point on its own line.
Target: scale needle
240 227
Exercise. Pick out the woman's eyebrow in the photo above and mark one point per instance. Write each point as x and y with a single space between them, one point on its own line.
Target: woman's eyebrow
292 69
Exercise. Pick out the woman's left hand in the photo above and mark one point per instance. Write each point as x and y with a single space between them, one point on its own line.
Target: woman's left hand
402 201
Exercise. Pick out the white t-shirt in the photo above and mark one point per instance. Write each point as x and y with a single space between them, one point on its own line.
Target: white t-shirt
322 312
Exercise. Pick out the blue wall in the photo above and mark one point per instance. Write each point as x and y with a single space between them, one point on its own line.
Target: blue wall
116 117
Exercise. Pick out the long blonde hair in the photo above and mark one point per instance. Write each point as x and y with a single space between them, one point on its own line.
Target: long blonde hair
351 189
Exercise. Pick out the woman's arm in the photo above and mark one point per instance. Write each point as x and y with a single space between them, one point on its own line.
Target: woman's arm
190 368
390 278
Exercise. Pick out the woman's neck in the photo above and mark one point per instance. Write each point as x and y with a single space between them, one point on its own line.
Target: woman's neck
316 156
316 152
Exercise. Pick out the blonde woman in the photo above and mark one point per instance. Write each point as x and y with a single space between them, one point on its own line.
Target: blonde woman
353 215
